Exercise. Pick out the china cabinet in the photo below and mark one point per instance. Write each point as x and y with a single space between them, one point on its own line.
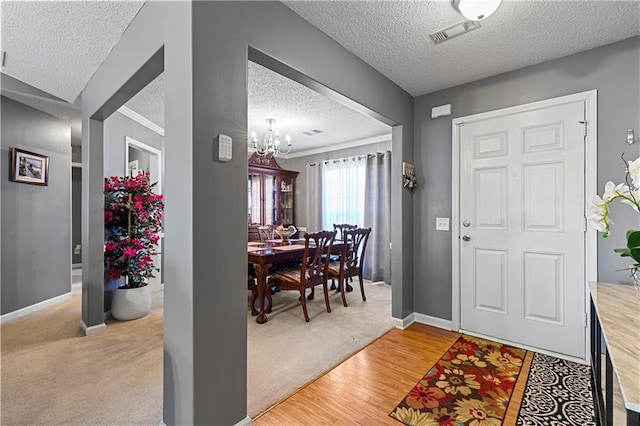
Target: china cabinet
271 192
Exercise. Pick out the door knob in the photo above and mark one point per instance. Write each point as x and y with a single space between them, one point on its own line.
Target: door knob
466 238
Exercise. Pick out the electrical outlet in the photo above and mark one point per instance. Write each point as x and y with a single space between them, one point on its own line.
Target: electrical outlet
442 223
76 249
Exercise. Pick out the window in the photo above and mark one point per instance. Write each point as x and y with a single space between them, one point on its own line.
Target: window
343 192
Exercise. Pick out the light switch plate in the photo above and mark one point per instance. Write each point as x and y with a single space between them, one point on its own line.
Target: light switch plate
442 223
224 148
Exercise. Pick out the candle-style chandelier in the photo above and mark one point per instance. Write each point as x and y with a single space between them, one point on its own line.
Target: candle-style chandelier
271 144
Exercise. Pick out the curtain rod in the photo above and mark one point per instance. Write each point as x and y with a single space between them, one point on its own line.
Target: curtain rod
353 158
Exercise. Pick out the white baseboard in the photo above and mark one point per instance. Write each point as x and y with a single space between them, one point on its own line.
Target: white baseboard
422 319
244 422
397 323
93 330
405 322
433 321
33 308
76 288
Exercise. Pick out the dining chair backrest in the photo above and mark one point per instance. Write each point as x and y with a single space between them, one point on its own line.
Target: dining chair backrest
340 230
253 232
315 268
354 247
266 232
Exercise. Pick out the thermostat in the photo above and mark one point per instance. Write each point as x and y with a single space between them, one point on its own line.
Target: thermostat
224 148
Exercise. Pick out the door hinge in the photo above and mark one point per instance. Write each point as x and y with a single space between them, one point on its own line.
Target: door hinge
585 224
584 319
585 127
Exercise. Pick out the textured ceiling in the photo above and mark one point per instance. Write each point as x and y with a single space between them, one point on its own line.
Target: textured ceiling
149 102
296 109
56 46
393 36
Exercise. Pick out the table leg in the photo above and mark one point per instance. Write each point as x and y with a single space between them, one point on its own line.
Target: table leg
261 277
254 297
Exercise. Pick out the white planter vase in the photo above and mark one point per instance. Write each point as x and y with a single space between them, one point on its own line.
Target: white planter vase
131 303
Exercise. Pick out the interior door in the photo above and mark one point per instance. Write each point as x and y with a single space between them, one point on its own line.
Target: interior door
522 228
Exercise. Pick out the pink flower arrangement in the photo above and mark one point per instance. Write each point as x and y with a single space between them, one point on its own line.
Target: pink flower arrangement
132 221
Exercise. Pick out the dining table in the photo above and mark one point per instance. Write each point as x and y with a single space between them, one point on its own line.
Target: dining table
263 256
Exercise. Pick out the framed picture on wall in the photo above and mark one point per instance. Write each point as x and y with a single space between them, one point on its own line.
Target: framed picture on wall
29 167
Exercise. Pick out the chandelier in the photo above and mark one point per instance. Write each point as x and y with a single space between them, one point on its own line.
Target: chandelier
271 145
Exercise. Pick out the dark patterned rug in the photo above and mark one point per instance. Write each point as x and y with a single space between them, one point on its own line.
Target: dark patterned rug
558 392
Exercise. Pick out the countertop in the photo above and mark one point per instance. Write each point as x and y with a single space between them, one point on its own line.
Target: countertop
618 309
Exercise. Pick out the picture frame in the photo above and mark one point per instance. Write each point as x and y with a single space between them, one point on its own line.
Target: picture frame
29 167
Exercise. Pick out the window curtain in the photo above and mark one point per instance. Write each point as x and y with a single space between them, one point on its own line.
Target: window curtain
377 216
314 197
255 211
343 192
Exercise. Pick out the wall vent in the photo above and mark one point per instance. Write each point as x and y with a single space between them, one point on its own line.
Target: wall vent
454 31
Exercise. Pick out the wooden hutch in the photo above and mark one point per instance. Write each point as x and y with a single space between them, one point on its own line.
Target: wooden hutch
271 192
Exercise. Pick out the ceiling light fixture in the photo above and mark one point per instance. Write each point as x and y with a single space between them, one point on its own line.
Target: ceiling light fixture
271 145
476 10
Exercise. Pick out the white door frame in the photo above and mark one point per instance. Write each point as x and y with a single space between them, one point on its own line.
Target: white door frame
590 187
144 147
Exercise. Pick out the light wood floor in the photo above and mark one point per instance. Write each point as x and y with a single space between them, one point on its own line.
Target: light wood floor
365 388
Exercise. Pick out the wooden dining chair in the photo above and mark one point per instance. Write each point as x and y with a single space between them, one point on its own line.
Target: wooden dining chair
350 262
340 230
265 232
312 271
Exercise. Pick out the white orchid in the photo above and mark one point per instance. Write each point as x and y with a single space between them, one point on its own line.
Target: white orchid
633 168
598 213
628 193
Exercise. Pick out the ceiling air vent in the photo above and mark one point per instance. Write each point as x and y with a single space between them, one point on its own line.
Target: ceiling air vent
454 31
312 132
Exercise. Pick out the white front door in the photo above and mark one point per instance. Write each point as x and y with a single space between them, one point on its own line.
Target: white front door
522 228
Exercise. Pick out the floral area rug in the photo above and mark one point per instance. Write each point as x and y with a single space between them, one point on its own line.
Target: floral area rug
558 392
470 385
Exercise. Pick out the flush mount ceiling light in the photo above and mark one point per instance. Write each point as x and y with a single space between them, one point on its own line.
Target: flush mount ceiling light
476 10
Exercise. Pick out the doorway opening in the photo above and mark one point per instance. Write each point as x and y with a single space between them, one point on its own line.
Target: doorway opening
330 142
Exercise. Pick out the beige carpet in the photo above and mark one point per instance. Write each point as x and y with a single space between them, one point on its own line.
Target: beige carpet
287 352
52 375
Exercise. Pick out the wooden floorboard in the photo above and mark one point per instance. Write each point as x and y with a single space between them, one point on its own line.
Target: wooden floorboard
365 388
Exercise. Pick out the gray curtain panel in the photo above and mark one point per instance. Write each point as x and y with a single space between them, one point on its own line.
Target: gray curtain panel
314 197
377 216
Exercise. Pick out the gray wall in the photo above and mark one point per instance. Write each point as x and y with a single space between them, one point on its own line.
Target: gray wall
76 209
36 220
613 70
76 191
116 128
299 165
143 158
